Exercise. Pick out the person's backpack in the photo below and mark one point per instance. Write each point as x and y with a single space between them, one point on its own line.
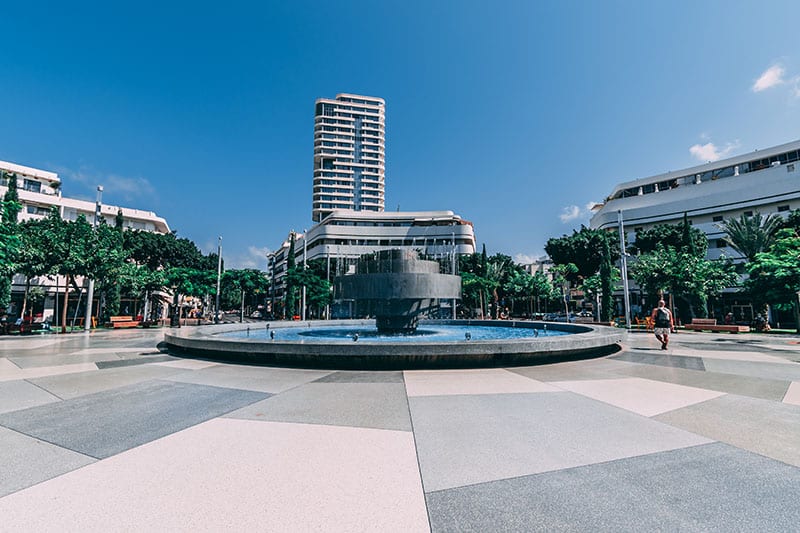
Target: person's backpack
662 318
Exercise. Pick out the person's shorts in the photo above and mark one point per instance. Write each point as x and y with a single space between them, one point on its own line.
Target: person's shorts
661 331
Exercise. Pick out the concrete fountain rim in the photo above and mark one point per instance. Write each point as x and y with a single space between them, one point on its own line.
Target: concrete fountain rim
586 341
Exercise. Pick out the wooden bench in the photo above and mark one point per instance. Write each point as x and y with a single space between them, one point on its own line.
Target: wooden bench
123 322
710 324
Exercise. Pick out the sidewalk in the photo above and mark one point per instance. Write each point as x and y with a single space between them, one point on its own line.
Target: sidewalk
105 432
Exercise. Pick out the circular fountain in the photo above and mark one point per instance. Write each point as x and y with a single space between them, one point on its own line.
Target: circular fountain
399 289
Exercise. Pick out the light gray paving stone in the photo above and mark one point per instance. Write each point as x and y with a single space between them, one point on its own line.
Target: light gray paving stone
82 383
257 378
35 361
788 372
661 358
26 461
367 405
106 423
463 440
769 428
767 389
703 488
18 394
363 377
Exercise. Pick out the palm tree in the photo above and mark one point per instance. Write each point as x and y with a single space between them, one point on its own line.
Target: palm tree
750 235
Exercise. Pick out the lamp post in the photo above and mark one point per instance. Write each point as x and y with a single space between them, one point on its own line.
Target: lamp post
303 309
87 325
219 278
623 263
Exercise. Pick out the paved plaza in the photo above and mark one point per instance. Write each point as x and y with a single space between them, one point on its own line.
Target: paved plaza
105 432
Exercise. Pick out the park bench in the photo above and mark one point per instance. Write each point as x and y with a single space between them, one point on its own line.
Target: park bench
710 324
123 322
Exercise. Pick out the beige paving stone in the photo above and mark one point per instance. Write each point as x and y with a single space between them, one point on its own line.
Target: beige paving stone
237 475
643 396
472 381
7 374
793 394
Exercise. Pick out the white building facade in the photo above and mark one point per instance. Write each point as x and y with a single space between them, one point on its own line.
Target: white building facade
344 236
349 154
764 181
39 191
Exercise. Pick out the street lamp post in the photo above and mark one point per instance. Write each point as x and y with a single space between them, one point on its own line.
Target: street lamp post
87 325
219 278
623 263
305 241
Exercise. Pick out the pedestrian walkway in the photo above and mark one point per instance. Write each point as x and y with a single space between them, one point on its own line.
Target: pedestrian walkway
104 432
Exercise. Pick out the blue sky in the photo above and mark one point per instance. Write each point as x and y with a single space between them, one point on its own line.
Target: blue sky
514 114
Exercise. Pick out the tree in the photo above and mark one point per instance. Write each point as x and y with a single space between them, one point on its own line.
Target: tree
750 235
238 286
290 299
775 274
671 235
584 249
9 241
692 278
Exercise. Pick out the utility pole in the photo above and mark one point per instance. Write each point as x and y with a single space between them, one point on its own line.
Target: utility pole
219 277
623 263
87 325
305 241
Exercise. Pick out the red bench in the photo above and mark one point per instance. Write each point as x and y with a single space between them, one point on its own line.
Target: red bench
123 322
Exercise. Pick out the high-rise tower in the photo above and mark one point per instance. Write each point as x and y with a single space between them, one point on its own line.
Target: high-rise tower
349 156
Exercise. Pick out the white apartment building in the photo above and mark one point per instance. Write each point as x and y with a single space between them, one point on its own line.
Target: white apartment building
349 154
764 181
343 236
40 190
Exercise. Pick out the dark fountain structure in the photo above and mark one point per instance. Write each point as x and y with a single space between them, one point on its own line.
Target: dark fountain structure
398 289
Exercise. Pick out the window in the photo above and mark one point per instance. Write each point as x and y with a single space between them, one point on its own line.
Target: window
748 213
717 218
33 186
790 168
721 243
782 208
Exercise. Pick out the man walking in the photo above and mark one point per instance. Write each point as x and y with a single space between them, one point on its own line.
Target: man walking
662 323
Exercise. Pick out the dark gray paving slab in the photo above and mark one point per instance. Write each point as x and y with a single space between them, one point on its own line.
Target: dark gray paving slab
761 426
107 423
704 488
463 440
257 378
368 405
16 395
26 461
659 359
755 387
362 377
780 371
133 362
83 383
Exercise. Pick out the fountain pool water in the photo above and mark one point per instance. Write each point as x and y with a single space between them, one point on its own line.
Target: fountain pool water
428 332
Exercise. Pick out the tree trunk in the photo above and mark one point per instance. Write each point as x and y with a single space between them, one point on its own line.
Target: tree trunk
25 296
796 309
64 306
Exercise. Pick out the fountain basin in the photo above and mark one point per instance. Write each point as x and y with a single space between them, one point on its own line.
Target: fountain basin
582 341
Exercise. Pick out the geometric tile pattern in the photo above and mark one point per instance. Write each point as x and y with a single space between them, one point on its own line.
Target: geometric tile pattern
702 488
702 437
